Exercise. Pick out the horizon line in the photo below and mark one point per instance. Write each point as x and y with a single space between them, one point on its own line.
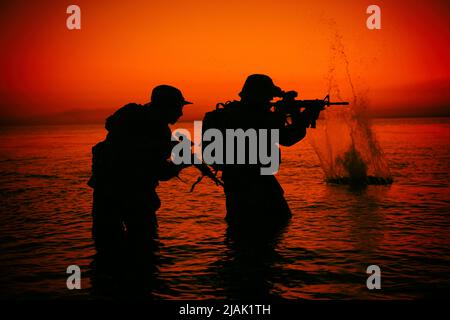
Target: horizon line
48 122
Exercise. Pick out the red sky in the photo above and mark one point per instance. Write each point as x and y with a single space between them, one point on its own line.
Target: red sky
207 48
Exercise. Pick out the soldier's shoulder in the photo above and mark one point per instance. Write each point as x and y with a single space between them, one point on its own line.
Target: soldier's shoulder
129 109
223 110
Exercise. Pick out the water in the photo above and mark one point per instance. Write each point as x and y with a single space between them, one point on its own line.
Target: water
347 148
335 233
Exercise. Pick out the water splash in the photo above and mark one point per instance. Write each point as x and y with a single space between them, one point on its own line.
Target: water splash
347 147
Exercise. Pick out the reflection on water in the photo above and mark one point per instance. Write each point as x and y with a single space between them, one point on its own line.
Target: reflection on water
250 262
323 253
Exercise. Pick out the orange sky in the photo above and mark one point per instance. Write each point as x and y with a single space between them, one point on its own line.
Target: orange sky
208 47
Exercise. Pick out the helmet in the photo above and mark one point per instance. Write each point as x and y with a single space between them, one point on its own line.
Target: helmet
167 95
259 85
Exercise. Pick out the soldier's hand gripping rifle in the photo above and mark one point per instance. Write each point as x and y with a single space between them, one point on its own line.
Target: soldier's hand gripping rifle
206 171
203 167
291 107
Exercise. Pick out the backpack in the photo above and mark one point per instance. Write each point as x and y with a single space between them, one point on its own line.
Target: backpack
124 121
218 119
101 165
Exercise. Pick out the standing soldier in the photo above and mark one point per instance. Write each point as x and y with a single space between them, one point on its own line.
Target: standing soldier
126 169
252 199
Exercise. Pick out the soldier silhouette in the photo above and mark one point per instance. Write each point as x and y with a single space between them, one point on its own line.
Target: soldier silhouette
255 200
126 169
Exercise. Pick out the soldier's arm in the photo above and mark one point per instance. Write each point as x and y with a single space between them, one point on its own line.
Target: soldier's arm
292 133
169 170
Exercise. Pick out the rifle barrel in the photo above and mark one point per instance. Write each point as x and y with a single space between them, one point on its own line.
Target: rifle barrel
338 103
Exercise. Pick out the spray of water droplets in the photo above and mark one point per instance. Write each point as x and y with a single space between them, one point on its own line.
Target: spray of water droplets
345 143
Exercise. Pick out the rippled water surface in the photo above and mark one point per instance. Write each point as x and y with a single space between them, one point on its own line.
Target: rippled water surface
335 232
